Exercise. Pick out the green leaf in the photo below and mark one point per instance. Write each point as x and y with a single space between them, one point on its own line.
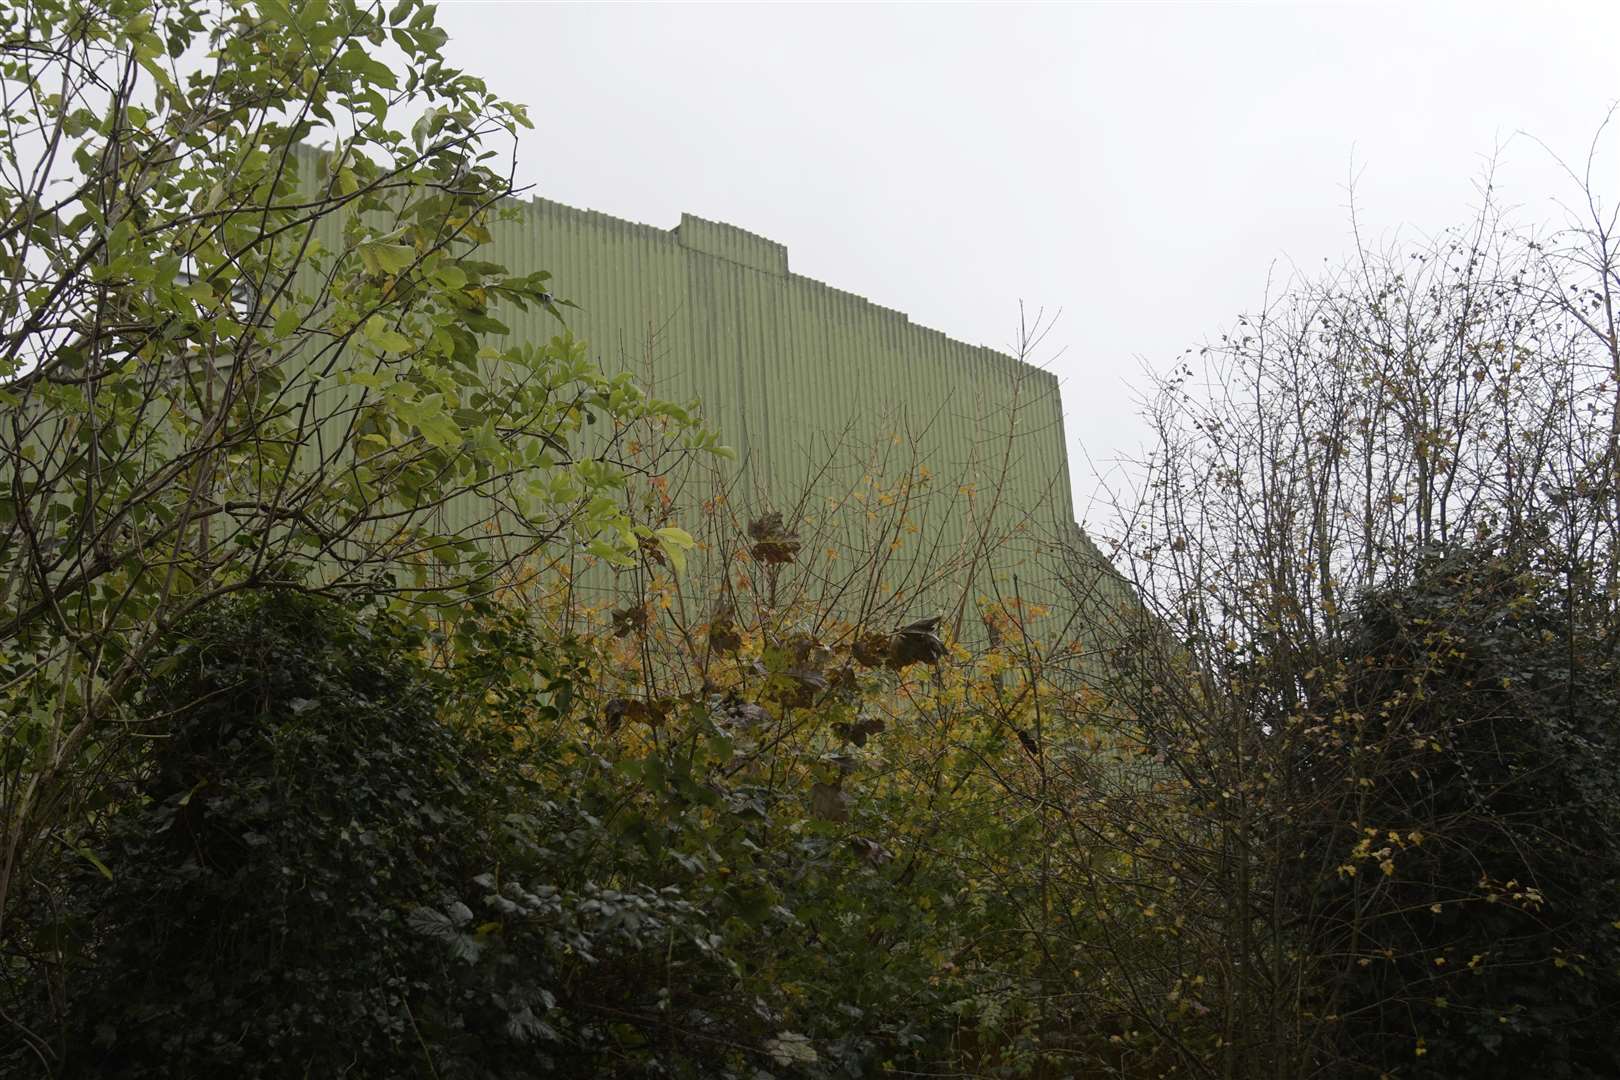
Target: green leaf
675 543
90 857
276 11
609 554
385 337
288 321
371 380
450 276
382 258
312 14
439 429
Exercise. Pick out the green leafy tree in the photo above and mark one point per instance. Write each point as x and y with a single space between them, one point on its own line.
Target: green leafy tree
229 361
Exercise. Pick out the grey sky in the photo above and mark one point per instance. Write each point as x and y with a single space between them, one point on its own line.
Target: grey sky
1141 166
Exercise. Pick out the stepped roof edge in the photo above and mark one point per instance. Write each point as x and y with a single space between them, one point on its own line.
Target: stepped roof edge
753 251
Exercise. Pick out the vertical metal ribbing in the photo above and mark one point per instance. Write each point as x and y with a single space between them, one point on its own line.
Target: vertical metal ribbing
783 363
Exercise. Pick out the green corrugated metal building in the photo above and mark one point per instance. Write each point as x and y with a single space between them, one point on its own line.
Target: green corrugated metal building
798 375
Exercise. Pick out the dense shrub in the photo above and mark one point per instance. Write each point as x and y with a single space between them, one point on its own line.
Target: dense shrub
337 859
1486 854
301 799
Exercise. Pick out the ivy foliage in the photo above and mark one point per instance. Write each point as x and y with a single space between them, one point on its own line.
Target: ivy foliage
1492 833
336 859
302 800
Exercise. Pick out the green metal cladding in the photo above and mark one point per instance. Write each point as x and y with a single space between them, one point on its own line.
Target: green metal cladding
827 397
805 380
776 356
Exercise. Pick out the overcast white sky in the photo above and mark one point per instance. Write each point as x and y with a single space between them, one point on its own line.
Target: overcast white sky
1141 166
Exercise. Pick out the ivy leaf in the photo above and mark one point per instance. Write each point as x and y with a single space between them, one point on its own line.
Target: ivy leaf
791 1048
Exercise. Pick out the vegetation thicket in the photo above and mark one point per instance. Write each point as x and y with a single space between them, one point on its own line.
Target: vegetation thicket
295 782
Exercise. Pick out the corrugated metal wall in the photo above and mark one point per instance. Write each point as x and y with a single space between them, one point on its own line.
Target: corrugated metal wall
796 374
786 365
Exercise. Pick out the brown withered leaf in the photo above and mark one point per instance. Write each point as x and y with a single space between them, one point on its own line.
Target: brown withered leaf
1027 741
916 643
844 763
772 543
808 653
734 712
651 713
870 850
871 650
629 620
723 634
843 680
860 730
800 687
807 677
829 803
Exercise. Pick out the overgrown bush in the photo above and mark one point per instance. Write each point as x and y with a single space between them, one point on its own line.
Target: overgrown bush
1485 941
301 799
337 859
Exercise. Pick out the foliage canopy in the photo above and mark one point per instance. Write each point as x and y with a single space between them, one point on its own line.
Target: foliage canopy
297 780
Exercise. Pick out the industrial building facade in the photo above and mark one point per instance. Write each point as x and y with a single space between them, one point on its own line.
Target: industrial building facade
821 392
